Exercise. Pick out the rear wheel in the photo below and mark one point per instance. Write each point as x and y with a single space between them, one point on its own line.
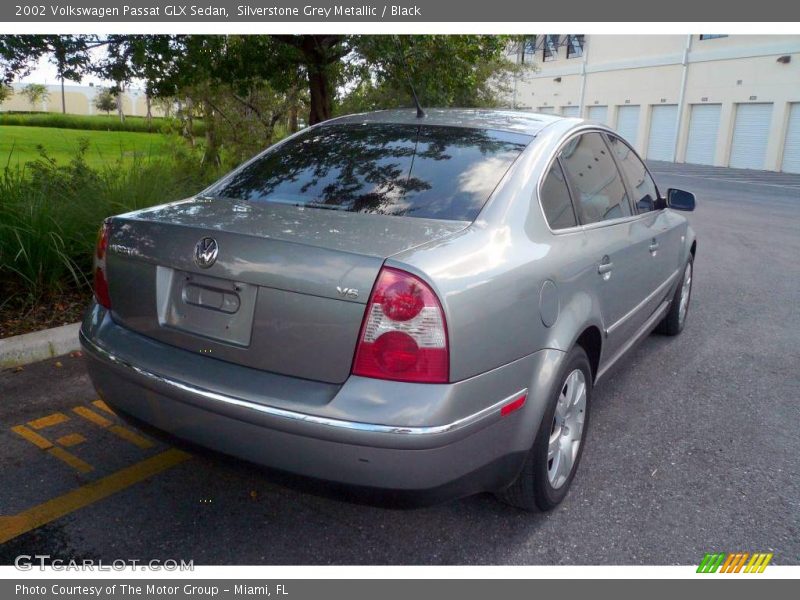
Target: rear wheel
675 320
552 461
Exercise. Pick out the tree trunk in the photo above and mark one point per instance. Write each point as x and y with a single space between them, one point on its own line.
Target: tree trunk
120 110
319 88
211 151
63 99
149 116
188 123
293 101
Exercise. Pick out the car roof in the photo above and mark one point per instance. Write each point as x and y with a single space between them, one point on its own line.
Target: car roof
516 121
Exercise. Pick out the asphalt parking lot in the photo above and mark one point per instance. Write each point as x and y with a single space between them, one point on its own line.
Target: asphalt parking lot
694 444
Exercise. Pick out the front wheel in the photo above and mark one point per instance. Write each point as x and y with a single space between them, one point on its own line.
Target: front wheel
552 461
675 320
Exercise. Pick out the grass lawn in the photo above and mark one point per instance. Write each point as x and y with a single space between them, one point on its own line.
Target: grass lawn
19 145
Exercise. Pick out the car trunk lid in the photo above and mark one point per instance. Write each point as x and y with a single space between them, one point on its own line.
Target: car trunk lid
285 293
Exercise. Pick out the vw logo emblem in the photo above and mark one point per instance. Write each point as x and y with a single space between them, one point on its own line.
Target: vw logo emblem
205 253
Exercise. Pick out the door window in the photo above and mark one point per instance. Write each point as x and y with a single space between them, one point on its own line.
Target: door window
639 181
595 180
555 199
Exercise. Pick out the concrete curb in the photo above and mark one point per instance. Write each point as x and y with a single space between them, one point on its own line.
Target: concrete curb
39 345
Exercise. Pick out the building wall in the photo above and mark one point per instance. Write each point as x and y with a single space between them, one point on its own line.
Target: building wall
79 100
648 70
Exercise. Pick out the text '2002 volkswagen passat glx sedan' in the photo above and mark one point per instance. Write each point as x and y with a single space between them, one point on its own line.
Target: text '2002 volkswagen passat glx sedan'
412 306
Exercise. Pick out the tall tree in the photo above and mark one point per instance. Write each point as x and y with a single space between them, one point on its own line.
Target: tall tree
321 58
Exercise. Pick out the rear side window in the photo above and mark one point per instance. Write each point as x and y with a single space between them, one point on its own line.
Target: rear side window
595 179
556 201
392 169
635 173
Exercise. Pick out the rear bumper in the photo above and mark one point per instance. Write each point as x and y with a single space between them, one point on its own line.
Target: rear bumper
350 434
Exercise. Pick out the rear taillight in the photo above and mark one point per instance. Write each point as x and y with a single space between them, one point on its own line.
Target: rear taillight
100 280
404 335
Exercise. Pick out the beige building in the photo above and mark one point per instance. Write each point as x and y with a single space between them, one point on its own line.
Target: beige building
79 100
704 99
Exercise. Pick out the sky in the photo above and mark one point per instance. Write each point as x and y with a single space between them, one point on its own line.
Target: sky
45 73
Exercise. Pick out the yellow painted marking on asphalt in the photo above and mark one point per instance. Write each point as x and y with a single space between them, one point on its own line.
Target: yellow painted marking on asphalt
118 430
33 437
16 525
49 421
765 563
69 458
133 438
71 439
103 406
92 416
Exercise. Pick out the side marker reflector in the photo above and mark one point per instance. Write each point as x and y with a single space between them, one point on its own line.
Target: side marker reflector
513 405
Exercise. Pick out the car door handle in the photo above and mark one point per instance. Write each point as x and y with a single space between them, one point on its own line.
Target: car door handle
605 268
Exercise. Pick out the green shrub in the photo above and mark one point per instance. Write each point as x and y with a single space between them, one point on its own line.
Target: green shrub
50 213
99 122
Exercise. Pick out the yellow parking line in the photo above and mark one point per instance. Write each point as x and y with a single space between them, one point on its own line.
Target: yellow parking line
69 458
92 416
49 421
16 525
71 439
133 438
33 437
118 430
103 406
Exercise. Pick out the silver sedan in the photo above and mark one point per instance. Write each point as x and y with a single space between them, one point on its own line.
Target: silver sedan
413 307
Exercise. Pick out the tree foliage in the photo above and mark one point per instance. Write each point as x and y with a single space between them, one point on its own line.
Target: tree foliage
35 93
248 89
6 91
105 100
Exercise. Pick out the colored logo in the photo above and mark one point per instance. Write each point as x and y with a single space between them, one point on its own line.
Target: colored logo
735 562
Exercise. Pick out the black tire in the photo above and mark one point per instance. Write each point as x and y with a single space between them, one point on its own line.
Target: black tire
532 490
672 324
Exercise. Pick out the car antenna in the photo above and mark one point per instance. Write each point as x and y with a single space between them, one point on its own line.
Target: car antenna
420 112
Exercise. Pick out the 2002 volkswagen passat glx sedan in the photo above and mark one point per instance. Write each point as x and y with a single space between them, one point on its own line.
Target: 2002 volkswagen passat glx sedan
403 304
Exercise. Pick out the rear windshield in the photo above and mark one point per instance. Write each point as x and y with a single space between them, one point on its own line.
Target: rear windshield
391 169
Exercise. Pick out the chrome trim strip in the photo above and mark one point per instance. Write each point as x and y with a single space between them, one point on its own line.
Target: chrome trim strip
293 415
643 331
643 303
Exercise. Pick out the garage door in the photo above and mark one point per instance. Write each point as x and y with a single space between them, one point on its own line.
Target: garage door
703 130
598 113
570 111
791 149
661 141
750 135
628 122
546 109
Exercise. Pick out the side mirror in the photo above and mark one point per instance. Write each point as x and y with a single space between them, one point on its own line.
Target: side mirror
680 199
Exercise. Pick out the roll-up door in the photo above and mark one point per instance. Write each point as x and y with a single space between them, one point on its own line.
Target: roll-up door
661 141
598 113
703 129
628 123
750 135
570 111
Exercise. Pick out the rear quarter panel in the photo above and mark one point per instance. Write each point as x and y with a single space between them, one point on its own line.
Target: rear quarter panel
490 275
